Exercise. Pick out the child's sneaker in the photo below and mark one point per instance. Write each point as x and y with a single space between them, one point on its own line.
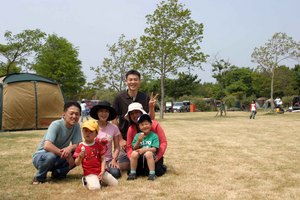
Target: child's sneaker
131 176
151 177
83 181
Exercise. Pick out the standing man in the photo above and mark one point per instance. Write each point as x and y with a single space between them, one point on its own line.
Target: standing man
56 148
121 103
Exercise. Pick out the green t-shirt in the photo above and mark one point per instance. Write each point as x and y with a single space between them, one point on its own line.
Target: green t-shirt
150 140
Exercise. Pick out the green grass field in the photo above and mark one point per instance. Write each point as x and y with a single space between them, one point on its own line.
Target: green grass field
208 157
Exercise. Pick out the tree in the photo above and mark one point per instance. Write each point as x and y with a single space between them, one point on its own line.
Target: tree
184 85
113 69
297 77
19 49
219 68
58 60
281 47
171 41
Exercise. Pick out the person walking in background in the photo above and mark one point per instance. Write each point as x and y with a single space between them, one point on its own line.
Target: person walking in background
84 110
253 109
91 155
121 103
145 145
56 148
104 113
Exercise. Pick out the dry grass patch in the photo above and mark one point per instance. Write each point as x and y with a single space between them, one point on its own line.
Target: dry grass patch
208 157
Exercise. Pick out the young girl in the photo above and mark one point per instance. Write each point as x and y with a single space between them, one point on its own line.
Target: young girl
253 109
104 113
91 154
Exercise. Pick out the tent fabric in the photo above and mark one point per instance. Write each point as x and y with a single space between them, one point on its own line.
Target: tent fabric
29 101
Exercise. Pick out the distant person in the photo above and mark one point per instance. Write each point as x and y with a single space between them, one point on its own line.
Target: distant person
91 155
278 102
145 146
253 109
84 110
55 150
221 109
104 113
135 110
121 103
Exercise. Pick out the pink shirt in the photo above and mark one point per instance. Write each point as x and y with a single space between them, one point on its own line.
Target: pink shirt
109 132
156 128
253 107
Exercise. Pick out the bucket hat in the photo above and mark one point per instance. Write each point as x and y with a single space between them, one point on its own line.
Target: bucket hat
105 105
134 106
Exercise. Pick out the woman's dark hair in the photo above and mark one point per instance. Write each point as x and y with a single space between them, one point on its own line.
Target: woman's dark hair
72 103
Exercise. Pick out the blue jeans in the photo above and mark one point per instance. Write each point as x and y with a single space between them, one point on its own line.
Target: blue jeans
48 161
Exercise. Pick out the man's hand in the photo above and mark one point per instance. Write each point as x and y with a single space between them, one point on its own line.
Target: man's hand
153 100
66 152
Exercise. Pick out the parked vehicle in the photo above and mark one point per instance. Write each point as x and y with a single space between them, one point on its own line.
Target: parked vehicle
169 106
296 103
90 104
187 105
178 107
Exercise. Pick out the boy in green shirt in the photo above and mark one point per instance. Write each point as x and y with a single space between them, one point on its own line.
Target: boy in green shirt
145 145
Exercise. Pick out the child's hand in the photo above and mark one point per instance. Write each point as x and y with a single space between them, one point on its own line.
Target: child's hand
141 136
100 176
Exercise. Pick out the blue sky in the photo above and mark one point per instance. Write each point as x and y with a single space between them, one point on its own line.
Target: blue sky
232 28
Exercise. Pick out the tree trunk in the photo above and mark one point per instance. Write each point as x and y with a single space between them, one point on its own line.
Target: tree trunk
162 89
272 86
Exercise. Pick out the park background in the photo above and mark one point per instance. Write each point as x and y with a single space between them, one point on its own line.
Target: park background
208 157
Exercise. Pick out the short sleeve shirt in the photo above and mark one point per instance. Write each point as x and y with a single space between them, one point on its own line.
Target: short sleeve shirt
61 136
150 140
109 132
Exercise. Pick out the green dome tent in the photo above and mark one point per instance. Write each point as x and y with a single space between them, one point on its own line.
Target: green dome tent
29 101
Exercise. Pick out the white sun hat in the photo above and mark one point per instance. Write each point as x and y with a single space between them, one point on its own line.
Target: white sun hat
134 106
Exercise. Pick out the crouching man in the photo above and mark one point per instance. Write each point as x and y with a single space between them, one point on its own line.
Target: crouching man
56 148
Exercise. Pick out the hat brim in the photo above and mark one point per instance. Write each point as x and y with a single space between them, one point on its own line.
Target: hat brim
96 108
127 114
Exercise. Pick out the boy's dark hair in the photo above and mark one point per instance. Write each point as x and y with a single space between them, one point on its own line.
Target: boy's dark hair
144 117
72 103
133 71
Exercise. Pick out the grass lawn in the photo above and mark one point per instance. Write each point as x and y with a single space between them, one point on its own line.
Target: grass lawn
208 157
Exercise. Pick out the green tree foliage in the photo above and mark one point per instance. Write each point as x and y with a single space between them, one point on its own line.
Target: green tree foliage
296 71
113 69
219 69
186 84
19 50
171 41
281 47
285 83
58 60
